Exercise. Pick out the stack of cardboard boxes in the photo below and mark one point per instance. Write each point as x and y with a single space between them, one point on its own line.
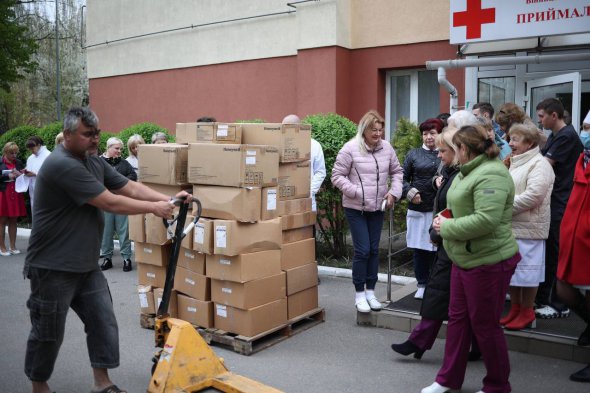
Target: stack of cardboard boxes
249 265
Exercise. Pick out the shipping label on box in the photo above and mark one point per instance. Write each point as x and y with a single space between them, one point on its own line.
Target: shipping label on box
172 305
208 133
203 236
163 163
146 299
297 234
233 237
298 220
151 275
137 228
244 267
293 140
249 294
294 180
233 165
152 254
294 206
302 277
197 312
192 284
251 322
297 254
302 302
230 203
191 260
269 208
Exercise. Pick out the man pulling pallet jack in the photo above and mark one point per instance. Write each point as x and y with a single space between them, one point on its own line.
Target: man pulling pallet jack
185 363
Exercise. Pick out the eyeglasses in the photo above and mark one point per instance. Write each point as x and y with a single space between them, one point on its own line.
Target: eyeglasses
91 134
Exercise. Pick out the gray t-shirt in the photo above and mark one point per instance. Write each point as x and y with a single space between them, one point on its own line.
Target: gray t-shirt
67 230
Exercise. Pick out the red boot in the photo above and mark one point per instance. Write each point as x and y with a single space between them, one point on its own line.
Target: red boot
526 318
513 313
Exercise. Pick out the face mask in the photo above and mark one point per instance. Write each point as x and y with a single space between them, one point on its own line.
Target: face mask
585 137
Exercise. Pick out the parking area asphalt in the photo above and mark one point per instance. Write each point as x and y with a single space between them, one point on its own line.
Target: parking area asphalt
335 356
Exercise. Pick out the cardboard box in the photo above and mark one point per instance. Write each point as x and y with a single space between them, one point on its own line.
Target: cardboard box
203 236
297 234
302 277
301 302
293 140
251 322
170 190
191 260
155 230
192 284
269 209
152 254
297 254
197 312
208 133
294 180
233 237
233 165
137 228
244 267
172 306
299 220
249 294
294 206
146 299
230 203
151 275
164 163
187 241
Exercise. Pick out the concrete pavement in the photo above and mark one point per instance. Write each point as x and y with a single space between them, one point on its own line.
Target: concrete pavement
336 356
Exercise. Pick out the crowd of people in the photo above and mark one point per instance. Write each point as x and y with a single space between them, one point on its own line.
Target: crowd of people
487 196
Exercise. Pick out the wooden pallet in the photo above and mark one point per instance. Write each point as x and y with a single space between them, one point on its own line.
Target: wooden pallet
249 345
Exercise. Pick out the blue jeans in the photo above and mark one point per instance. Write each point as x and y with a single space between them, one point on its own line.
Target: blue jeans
52 294
112 223
365 228
423 261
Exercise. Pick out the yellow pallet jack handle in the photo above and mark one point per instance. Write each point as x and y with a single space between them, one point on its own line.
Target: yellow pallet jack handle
185 363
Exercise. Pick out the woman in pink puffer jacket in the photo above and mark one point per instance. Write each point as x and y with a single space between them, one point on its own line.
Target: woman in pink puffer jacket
361 171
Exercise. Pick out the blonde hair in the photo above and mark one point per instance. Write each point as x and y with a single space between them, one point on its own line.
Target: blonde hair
10 147
445 139
370 118
133 141
59 139
114 141
529 133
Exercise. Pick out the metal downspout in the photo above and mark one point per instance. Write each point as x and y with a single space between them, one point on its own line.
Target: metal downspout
444 82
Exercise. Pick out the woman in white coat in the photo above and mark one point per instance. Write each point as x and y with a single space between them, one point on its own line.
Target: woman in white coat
38 155
533 180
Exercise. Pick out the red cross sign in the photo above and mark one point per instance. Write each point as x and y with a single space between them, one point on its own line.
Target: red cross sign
473 17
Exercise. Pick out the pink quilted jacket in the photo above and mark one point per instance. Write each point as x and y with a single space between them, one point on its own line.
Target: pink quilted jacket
363 178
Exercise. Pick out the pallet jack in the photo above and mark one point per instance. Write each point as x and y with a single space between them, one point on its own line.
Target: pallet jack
184 362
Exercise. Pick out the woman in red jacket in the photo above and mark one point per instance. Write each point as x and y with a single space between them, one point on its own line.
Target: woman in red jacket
12 204
573 269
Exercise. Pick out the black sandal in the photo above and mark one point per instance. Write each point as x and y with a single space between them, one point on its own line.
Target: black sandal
110 389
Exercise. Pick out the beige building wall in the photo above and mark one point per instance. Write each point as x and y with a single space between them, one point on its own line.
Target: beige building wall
349 24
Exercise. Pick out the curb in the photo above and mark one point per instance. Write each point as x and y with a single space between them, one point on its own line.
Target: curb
322 270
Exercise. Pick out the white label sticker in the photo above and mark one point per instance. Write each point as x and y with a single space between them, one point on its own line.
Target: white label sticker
147 250
143 300
250 152
221 236
271 199
226 290
191 309
250 160
221 310
189 281
222 130
199 234
159 301
151 275
225 262
189 254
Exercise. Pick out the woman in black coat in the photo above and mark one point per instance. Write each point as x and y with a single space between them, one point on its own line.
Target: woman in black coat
435 304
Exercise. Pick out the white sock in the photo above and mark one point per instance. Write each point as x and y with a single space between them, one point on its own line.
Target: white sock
359 296
369 294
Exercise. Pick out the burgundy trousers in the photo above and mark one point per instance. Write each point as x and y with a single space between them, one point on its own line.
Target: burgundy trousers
476 304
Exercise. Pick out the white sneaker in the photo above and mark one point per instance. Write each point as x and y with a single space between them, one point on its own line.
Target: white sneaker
548 312
419 293
363 306
436 388
374 304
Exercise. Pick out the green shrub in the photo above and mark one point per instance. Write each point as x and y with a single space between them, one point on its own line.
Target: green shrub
332 131
19 135
49 132
146 130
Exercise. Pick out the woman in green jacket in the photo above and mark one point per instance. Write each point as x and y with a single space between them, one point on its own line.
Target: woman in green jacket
479 240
